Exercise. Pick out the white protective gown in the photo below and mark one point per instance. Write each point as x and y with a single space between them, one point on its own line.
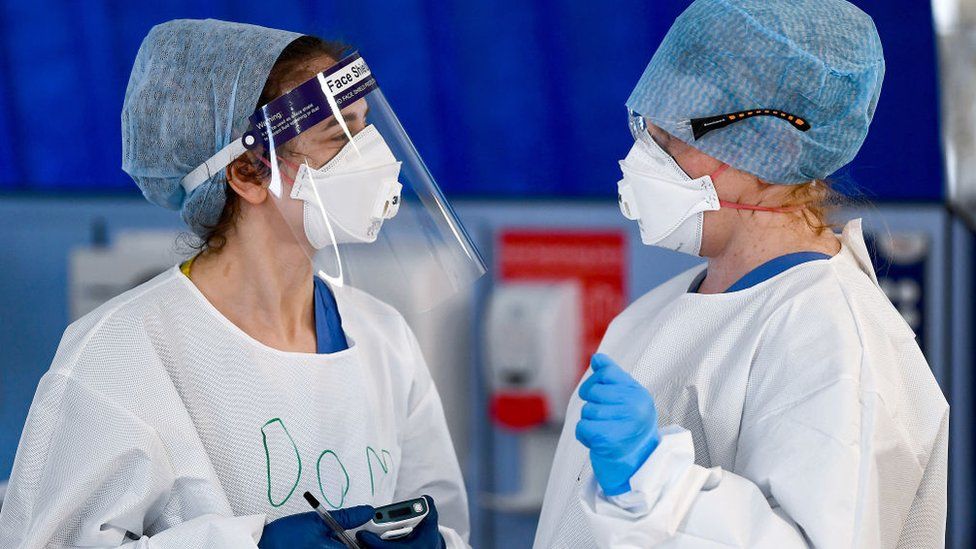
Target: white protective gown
800 412
162 425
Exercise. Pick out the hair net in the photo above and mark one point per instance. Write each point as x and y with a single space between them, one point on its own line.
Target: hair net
192 88
817 59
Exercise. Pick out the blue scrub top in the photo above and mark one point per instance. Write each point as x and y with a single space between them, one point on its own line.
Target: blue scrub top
329 337
768 270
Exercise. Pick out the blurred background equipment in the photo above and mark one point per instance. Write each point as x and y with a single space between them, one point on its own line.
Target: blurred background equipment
531 344
535 168
555 293
98 273
956 33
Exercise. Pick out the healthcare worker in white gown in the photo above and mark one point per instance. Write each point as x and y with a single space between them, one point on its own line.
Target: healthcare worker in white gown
196 410
773 397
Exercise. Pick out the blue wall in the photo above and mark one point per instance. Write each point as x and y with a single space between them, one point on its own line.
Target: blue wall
503 99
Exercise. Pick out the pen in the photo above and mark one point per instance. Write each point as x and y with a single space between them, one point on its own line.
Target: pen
335 526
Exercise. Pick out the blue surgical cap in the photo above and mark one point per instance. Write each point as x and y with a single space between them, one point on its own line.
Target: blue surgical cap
192 88
819 60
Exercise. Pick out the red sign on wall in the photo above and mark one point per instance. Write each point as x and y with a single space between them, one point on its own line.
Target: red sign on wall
596 260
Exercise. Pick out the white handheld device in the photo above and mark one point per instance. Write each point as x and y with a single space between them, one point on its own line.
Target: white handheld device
396 520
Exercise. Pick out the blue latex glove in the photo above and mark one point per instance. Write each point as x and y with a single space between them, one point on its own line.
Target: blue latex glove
424 536
309 531
618 424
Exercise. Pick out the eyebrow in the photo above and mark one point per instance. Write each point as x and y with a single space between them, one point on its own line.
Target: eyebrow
333 122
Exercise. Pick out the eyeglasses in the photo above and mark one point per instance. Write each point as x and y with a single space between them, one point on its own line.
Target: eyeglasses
702 126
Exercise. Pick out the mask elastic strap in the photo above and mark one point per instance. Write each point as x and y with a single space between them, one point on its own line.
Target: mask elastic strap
737 206
291 164
721 169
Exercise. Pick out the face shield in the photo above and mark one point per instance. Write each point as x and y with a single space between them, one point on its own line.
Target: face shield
355 194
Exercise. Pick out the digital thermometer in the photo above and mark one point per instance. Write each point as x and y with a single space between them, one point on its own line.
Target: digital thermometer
396 520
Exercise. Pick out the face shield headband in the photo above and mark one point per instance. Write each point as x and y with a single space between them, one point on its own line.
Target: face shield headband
286 117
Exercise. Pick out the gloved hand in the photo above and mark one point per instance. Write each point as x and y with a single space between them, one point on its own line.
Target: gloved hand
424 536
618 424
309 531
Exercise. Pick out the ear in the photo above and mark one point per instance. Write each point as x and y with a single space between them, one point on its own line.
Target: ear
246 181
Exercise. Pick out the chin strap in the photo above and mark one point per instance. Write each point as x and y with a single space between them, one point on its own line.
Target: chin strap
752 208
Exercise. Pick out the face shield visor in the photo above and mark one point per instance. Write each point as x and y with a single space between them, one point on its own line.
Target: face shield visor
355 194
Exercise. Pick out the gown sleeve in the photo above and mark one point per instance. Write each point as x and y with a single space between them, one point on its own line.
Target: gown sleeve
95 469
429 464
832 451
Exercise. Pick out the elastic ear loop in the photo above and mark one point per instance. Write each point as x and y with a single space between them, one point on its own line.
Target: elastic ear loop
737 206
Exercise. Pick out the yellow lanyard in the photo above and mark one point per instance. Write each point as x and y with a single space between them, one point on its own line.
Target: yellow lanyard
187 265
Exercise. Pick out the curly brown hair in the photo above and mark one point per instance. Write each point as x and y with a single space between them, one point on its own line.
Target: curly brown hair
819 201
290 66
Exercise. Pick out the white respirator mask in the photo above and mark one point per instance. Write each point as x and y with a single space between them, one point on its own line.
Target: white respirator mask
353 194
667 203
